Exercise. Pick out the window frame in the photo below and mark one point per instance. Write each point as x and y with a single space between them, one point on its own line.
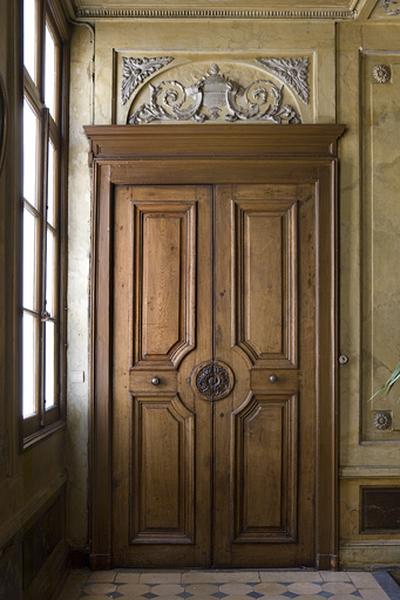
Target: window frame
44 422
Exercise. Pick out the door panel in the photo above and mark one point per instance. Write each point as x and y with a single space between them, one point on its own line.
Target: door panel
215 375
162 331
265 323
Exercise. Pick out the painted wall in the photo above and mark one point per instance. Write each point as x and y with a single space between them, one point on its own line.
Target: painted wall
344 87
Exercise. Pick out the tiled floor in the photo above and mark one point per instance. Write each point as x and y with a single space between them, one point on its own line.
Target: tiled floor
231 585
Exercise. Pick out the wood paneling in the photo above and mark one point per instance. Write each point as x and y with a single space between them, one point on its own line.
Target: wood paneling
257 467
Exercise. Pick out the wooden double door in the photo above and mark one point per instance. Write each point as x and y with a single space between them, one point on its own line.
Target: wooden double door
214 375
213 421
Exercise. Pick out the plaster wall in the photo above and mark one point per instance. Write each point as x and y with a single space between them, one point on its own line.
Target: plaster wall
343 89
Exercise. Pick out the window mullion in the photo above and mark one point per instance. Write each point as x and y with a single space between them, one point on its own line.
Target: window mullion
43 254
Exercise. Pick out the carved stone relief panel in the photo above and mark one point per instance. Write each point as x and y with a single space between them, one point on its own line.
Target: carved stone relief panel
386 9
380 222
183 88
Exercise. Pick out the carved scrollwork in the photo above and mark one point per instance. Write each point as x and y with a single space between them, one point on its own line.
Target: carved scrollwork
292 71
213 97
136 70
214 380
391 7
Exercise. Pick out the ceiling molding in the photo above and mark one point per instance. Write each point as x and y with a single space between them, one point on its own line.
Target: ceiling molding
95 13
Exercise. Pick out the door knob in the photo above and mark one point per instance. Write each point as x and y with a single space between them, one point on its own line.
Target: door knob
156 381
273 378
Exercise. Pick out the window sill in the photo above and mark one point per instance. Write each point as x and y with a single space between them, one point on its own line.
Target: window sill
43 433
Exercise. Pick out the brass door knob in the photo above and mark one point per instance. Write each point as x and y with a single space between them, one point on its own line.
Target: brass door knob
156 381
273 378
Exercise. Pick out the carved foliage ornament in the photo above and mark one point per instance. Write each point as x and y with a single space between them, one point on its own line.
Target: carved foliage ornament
136 70
213 97
391 7
292 71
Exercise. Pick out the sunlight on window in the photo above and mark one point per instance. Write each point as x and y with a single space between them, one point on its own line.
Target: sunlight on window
29 391
29 37
31 126
50 272
29 262
51 186
50 365
50 73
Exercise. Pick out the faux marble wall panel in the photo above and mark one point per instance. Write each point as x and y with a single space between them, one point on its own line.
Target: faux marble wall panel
380 226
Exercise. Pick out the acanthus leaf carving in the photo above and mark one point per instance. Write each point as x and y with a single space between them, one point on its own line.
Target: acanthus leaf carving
135 70
389 6
292 71
215 96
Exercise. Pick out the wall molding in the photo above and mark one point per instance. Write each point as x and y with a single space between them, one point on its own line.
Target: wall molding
211 13
369 472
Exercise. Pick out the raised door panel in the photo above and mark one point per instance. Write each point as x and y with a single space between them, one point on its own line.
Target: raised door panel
162 478
162 331
265 470
264 308
164 281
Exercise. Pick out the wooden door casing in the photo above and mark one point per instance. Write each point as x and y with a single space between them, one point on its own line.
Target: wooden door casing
227 155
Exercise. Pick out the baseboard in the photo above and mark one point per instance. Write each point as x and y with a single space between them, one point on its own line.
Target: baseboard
100 562
78 557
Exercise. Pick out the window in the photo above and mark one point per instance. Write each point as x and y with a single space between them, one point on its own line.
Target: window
43 222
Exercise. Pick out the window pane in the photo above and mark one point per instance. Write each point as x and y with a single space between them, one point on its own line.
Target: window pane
50 186
31 127
50 365
30 28
29 260
50 73
50 272
29 387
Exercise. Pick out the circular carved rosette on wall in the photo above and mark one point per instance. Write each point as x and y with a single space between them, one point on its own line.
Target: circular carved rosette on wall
214 380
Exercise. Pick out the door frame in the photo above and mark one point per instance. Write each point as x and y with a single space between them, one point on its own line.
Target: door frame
182 154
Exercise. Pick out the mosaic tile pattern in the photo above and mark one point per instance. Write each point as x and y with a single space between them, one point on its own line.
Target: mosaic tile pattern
232 585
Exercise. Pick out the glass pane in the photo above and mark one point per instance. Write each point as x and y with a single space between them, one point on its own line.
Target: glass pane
31 127
29 260
29 358
30 28
50 186
50 272
50 73
50 365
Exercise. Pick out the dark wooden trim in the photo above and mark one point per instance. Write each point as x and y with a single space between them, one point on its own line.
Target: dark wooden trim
177 154
241 140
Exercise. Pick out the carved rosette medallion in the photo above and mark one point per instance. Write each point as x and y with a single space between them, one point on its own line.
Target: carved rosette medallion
383 420
214 380
381 73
